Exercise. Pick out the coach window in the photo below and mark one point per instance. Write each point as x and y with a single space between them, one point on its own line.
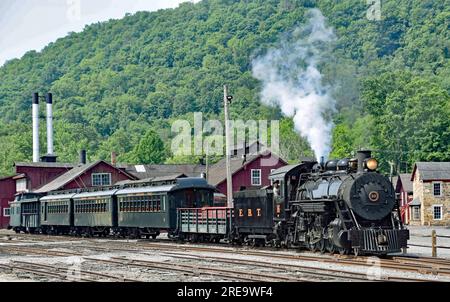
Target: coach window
101 179
6 212
256 177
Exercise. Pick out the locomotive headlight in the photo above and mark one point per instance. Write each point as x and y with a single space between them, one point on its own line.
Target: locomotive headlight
372 164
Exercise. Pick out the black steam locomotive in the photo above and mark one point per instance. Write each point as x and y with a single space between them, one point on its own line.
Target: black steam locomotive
341 206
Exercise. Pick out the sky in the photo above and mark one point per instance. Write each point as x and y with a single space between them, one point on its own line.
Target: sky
32 24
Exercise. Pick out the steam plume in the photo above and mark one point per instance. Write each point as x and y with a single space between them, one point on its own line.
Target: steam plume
291 79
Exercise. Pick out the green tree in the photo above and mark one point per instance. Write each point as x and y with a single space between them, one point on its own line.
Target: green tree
150 150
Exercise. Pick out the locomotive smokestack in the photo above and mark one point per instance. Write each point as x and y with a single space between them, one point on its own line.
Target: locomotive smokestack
49 124
361 156
322 162
35 118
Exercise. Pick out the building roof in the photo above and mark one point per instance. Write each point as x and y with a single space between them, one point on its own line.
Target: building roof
152 171
432 170
394 181
218 172
71 175
7 177
45 165
406 182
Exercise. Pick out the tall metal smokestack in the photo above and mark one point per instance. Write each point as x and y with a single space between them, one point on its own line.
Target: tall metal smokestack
35 117
49 124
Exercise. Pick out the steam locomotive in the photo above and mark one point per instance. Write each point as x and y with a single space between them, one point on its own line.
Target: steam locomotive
341 206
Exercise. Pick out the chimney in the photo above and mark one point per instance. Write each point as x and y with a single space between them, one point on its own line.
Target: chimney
49 124
113 158
83 157
35 118
362 155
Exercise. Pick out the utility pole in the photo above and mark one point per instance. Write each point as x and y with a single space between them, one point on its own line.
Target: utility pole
207 164
227 100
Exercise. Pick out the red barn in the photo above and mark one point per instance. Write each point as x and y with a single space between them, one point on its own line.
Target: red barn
7 191
251 171
96 174
404 186
31 176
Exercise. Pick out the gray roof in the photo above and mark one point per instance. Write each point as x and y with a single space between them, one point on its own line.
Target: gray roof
71 175
45 165
218 172
406 182
433 170
394 181
152 171
67 177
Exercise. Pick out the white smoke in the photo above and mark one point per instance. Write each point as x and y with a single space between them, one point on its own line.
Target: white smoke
291 79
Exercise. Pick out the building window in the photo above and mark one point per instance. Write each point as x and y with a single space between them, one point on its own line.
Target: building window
6 212
21 185
416 213
271 171
256 177
437 189
437 212
101 179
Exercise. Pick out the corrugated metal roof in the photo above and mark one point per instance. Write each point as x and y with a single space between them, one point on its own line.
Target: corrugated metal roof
67 177
45 165
95 194
151 171
154 179
70 175
433 170
218 172
155 189
58 197
406 182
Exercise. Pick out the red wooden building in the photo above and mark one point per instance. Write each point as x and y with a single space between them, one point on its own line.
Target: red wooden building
96 174
404 186
43 177
250 171
7 191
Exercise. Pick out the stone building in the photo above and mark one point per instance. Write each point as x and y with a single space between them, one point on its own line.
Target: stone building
431 198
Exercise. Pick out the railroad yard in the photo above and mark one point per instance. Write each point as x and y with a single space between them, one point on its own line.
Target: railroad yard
25 257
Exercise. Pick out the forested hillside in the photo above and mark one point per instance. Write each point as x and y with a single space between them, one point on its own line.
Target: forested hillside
119 80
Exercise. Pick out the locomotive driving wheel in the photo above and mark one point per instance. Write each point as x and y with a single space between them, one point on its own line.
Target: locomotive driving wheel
331 248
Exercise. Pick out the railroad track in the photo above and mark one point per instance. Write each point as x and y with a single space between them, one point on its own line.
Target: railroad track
424 266
198 270
61 273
